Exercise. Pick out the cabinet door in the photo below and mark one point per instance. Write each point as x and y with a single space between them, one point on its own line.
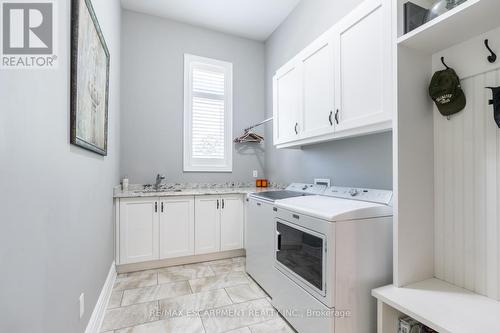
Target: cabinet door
207 224
231 222
286 95
318 79
363 67
139 220
176 227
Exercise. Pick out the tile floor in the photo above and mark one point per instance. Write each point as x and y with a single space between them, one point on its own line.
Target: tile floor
211 297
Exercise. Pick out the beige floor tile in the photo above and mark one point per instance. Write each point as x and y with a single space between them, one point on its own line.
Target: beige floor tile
184 273
237 316
218 281
226 267
115 299
186 305
245 293
172 325
136 281
130 316
240 330
277 325
157 292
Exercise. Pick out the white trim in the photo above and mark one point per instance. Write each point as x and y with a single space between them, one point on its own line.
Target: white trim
95 322
210 165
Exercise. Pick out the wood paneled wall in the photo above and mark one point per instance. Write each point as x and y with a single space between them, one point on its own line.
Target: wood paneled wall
467 192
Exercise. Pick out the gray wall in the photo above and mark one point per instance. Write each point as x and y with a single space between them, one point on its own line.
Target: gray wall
56 208
152 97
364 161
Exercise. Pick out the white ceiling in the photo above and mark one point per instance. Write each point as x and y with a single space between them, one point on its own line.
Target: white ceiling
255 19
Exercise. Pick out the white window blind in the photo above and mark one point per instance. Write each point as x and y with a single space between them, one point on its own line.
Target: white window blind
207 115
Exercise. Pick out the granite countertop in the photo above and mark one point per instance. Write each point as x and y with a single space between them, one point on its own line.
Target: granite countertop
137 191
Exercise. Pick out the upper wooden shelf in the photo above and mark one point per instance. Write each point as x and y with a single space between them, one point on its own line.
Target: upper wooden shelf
443 306
470 19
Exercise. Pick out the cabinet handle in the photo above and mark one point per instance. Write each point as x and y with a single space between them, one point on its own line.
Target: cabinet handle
222 203
330 118
156 207
217 203
296 131
162 207
337 116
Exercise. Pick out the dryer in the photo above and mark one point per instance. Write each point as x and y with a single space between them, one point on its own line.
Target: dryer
330 251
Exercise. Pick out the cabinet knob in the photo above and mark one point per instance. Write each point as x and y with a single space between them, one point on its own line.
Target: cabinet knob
217 203
222 203
156 207
162 207
337 116
296 130
330 118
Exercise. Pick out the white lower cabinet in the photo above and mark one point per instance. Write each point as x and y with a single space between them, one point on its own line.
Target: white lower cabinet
171 227
219 223
231 223
139 222
207 225
176 227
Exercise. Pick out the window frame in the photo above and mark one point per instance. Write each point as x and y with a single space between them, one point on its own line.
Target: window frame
207 165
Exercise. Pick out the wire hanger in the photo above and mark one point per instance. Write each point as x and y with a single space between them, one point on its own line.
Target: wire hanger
249 136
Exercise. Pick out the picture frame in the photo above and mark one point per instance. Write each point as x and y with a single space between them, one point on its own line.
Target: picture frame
90 63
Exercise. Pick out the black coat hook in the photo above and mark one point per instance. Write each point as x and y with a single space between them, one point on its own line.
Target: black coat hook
493 57
444 64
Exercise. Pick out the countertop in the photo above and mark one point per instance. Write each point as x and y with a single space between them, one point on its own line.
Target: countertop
136 191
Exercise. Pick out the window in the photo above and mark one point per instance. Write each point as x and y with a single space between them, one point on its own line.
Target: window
208 114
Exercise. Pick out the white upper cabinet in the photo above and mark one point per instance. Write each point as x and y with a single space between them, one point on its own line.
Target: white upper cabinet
287 97
340 85
231 222
139 218
363 45
176 227
318 78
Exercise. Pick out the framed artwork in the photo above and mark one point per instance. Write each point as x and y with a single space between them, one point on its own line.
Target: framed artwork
89 80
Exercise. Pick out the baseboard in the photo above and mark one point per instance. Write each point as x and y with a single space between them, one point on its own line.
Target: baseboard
95 322
142 266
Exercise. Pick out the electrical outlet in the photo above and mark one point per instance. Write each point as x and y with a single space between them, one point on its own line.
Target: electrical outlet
255 174
82 304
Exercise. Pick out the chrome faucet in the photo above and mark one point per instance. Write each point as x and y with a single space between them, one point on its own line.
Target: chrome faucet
159 179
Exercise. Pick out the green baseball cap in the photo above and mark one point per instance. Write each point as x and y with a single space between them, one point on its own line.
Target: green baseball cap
447 93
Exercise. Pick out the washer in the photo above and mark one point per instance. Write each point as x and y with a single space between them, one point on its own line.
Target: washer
259 231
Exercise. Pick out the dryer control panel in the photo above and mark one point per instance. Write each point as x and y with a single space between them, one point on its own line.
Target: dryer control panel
361 194
307 188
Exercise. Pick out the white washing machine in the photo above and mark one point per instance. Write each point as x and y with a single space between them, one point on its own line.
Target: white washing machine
259 231
331 250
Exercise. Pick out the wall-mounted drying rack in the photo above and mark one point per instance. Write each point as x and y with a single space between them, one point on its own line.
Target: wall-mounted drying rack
249 136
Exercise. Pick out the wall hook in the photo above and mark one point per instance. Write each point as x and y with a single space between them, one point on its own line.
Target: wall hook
444 64
493 57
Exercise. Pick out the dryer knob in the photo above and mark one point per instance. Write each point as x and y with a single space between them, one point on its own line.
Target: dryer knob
353 192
